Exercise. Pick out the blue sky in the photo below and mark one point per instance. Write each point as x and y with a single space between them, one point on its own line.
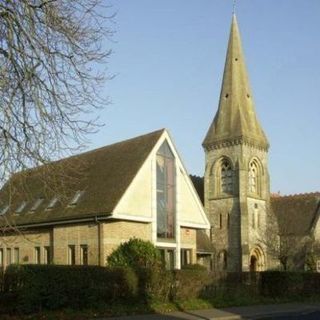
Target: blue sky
168 60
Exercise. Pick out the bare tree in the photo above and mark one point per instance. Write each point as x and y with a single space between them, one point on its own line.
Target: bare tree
289 250
51 70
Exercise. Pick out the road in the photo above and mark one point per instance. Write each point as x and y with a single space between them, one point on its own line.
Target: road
298 316
290 311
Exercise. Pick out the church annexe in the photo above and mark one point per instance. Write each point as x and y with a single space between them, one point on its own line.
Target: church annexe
79 209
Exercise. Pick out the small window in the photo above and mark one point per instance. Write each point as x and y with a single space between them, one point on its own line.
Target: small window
36 205
76 198
72 255
4 210
254 219
52 203
9 256
167 257
21 207
185 257
47 255
220 221
211 233
37 255
16 255
84 254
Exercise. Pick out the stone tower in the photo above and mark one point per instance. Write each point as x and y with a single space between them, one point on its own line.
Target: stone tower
236 175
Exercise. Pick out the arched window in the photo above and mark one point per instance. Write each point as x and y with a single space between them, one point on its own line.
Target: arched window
253 177
226 177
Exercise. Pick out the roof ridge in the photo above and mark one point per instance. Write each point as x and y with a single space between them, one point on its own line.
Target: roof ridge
295 195
70 157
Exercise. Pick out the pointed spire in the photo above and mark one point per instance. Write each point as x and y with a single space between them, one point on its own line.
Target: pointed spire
236 118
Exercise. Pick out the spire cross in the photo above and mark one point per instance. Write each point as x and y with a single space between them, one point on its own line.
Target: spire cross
234 7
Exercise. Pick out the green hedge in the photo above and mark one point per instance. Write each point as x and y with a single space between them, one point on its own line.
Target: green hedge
54 286
190 282
288 284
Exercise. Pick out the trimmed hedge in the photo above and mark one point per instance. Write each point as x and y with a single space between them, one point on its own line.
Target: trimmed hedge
289 284
55 286
31 288
190 282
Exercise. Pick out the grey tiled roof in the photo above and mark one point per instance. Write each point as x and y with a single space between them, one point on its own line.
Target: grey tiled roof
296 214
103 175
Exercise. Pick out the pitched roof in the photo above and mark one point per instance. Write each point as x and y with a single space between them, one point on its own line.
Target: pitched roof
236 117
296 214
204 244
103 175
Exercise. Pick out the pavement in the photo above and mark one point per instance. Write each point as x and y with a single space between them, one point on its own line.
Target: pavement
284 311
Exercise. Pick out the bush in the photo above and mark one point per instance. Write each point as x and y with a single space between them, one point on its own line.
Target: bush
54 287
144 258
136 254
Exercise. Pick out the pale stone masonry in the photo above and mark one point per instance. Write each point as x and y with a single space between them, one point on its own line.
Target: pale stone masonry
236 180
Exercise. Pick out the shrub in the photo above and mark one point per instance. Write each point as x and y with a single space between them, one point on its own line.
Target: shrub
144 258
136 254
53 287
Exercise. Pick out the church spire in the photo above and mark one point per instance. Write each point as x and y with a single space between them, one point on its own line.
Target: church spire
235 120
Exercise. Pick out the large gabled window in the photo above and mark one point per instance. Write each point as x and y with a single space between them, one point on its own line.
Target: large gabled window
166 192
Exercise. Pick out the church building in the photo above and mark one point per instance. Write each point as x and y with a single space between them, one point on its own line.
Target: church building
79 209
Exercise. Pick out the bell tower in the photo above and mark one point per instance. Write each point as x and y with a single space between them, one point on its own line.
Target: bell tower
236 179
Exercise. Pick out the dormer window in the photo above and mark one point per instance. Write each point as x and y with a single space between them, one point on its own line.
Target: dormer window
36 204
76 198
21 207
4 210
52 203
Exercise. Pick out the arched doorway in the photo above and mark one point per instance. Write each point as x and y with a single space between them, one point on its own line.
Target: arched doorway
257 259
253 264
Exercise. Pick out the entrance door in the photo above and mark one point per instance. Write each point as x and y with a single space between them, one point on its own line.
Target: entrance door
257 259
253 264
